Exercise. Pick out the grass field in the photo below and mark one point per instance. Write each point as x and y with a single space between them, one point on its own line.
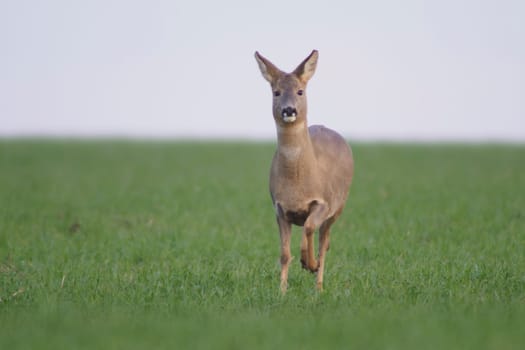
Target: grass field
137 245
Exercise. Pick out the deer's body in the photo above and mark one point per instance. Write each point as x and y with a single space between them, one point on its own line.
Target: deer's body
311 170
303 172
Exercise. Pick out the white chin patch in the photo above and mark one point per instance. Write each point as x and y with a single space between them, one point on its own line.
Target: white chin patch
289 118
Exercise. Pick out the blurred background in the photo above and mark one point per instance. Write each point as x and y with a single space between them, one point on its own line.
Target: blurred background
408 70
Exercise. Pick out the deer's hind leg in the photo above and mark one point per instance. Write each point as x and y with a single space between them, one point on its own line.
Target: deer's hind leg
304 251
324 244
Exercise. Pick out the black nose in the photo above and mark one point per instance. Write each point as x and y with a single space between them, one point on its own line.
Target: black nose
289 112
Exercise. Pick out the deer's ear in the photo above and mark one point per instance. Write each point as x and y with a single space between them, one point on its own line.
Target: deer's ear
307 68
269 71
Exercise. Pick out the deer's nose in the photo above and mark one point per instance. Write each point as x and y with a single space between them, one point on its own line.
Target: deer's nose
289 112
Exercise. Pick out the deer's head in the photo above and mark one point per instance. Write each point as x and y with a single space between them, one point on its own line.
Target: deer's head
288 89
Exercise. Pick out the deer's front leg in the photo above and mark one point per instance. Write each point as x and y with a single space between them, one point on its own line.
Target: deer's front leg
285 231
317 216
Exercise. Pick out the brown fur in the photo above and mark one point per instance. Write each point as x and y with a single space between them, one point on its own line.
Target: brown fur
311 170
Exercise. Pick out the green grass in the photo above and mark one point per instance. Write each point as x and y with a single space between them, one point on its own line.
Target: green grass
143 245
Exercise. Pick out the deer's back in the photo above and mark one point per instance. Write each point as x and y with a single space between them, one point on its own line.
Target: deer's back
335 162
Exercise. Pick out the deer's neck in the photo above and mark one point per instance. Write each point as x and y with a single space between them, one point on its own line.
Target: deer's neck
295 150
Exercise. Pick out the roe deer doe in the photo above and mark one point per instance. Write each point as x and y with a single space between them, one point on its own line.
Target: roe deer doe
311 170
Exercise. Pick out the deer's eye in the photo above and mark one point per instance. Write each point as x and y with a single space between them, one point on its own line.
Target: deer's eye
277 93
300 92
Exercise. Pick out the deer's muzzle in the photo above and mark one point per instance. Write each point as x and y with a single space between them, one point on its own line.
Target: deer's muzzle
289 114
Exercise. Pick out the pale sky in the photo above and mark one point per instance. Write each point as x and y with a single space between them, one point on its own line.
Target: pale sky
388 70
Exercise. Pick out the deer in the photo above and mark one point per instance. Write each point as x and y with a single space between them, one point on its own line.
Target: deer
311 171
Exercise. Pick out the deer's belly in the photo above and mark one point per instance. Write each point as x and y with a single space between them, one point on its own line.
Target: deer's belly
295 214
296 217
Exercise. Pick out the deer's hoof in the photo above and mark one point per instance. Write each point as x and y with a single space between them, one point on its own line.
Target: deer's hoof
310 267
284 288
